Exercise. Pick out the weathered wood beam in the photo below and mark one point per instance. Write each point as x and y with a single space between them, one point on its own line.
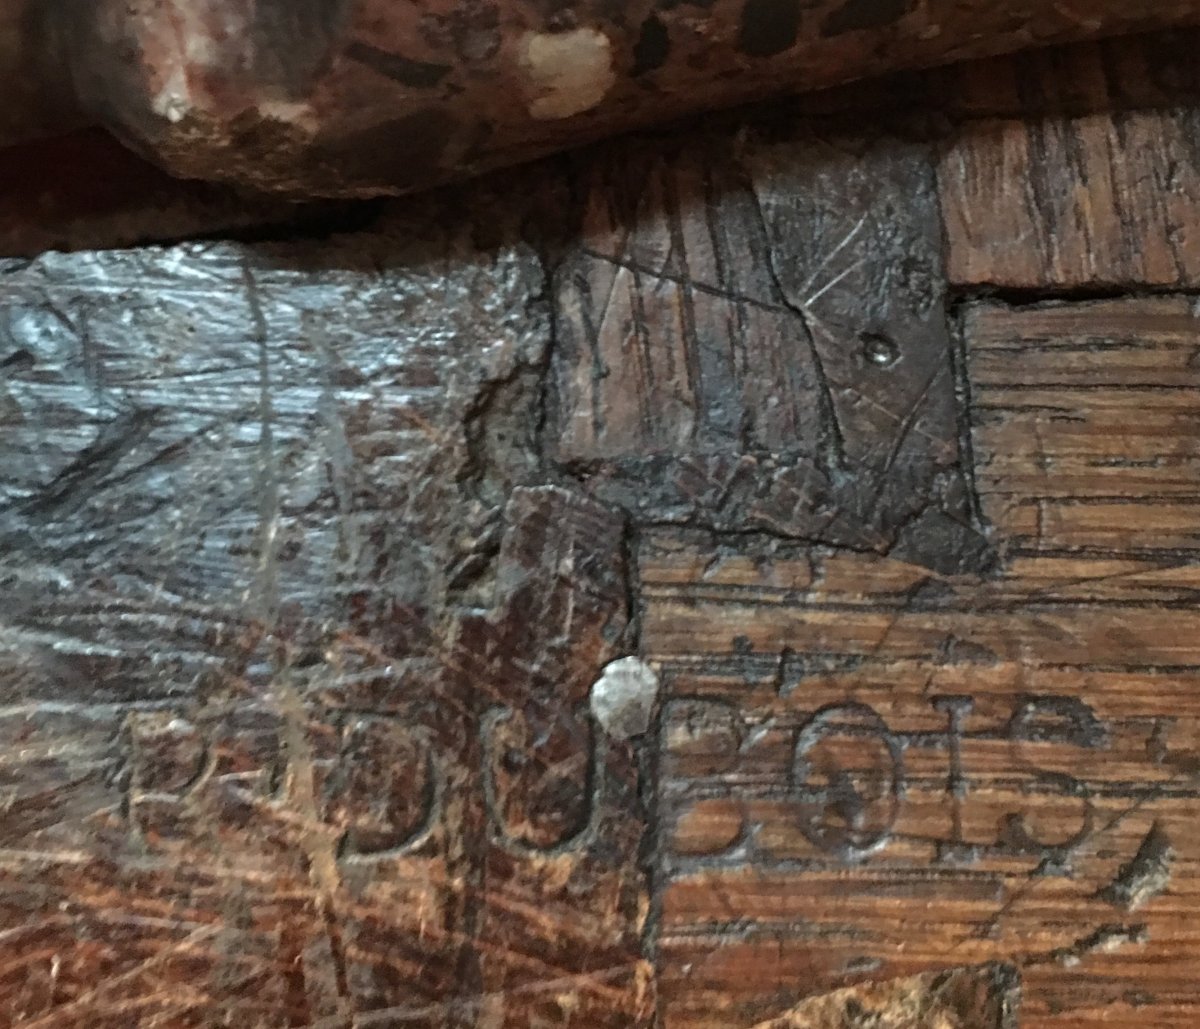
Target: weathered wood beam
329 97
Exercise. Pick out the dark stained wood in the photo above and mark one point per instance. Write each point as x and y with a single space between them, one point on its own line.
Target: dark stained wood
46 204
313 552
758 343
1153 70
83 190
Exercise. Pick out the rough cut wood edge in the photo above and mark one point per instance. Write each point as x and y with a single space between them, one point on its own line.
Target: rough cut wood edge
329 99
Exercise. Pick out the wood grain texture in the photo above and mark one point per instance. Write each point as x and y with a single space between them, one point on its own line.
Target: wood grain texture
1095 200
295 673
979 998
1085 425
312 552
872 770
1077 168
758 342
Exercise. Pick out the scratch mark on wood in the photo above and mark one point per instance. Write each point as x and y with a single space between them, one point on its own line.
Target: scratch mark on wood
1104 940
86 1002
986 997
1146 876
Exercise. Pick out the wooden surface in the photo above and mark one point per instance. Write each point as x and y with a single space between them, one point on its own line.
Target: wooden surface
370 98
868 421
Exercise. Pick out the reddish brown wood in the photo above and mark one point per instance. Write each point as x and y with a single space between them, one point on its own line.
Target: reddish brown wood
315 556
320 750
333 98
46 203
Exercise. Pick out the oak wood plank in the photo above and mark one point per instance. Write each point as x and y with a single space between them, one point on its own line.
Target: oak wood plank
1093 200
1085 424
871 769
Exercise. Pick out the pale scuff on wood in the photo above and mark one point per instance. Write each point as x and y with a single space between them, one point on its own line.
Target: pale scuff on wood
984 997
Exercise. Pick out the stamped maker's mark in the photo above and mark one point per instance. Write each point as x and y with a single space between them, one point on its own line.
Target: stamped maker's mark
848 781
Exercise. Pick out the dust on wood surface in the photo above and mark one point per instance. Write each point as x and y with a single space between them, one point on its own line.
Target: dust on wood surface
315 550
